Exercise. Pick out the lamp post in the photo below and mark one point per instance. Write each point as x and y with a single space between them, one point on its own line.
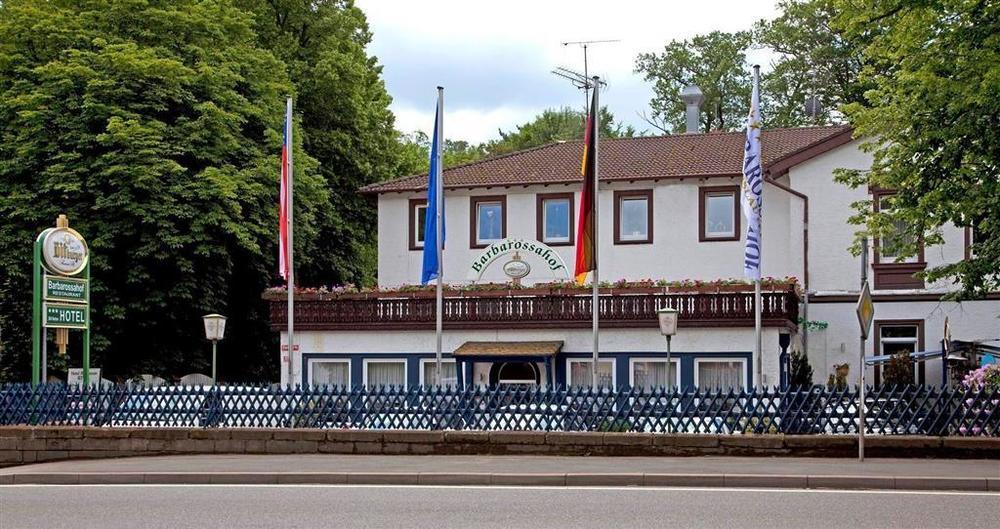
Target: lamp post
215 328
668 328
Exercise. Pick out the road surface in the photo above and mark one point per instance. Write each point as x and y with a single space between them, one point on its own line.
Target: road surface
395 507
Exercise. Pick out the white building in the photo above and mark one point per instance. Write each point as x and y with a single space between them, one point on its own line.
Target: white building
668 210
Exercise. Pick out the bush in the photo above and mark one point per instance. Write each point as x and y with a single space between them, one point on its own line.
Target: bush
801 372
899 370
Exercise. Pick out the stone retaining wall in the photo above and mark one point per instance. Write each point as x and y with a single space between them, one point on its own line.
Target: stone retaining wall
24 444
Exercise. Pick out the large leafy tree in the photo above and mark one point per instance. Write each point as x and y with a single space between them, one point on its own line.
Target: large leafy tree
932 117
155 126
716 62
346 123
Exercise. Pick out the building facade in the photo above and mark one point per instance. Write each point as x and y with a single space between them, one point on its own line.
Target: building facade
670 234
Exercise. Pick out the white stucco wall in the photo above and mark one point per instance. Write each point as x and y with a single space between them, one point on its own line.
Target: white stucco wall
676 253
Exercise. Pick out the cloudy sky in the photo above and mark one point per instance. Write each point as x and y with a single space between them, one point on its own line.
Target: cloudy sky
494 58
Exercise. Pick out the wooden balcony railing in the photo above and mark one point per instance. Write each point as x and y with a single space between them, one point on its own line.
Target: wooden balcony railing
552 311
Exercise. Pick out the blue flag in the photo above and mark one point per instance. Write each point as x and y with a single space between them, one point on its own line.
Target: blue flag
435 190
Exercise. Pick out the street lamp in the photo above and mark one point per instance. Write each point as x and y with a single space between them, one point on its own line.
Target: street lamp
215 328
668 328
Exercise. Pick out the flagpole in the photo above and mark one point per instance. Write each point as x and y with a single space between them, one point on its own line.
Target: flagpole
595 301
438 242
291 251
758 356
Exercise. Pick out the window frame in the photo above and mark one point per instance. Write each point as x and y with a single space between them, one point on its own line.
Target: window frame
722 359
703 194
892 275
474 202
620 196
312 361
674 361
414 205
540 199
921 368
425 361
571 361
395 360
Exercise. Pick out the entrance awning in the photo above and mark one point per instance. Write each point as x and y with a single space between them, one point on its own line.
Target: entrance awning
512 349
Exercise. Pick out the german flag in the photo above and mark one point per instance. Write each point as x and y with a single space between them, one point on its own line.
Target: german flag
585 236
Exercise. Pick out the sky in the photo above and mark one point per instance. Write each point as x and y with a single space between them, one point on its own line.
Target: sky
495 58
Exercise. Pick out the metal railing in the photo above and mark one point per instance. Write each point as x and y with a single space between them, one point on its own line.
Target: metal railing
905 410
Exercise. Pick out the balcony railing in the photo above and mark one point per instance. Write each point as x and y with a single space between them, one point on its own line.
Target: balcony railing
555 310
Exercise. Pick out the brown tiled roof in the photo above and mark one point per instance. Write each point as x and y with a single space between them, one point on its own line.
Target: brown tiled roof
643 158
509 348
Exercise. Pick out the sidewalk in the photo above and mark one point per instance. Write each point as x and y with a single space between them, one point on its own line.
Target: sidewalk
786 472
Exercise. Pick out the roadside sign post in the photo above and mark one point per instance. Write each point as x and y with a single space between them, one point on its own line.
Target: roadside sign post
866 313
60 297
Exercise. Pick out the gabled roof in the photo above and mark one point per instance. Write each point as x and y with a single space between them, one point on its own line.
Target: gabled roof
642 158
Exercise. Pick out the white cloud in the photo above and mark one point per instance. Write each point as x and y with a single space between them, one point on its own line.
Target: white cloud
494 58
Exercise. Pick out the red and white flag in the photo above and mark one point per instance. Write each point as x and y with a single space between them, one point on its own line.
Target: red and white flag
285 198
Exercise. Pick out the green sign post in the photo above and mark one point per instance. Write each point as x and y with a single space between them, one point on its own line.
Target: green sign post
61 292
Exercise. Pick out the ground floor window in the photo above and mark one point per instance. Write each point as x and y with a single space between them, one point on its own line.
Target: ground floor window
894 337
720 373
330 372
428 370
652 373
385 372
579 372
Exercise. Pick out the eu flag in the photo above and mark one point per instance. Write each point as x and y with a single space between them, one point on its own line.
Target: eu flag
435 191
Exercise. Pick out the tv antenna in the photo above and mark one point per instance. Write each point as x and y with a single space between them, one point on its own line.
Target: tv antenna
586 74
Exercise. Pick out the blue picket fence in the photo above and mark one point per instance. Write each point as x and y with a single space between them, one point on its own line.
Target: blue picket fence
818 410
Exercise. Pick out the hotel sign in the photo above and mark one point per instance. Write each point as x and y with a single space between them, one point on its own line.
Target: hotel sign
522 247
65 316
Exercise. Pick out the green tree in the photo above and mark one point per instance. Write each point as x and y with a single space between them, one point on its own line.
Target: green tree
801 373
716 63
553 125
346 123
932 120
155 125
813 60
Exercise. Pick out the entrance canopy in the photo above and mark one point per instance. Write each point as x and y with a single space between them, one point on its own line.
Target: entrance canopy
483 350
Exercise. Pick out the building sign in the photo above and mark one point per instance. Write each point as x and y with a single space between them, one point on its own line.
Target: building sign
65 289
65 316
553 261
74 376
64 251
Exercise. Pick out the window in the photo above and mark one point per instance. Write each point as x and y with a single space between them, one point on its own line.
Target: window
652 373
385 372
720 373
579 373
718 213
634 217
890 274
554 219
449 372
418 220
330 372
897 336
488 219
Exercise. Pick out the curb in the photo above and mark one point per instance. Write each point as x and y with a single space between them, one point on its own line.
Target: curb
508 479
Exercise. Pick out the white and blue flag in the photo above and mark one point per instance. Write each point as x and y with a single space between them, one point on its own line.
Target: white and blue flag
435 188
753 187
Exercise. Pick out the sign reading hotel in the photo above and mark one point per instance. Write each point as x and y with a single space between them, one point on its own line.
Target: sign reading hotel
553 261
65 316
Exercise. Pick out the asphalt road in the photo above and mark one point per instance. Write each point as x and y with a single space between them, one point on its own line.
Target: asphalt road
204 507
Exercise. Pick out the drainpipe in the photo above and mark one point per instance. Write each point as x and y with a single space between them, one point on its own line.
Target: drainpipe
805 256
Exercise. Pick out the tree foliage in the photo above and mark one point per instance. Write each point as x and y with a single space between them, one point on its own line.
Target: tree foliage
932 117
155 125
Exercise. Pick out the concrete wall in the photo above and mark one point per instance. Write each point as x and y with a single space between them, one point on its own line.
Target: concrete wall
25 444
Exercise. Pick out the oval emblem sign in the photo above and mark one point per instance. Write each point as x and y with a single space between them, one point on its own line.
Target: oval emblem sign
516 269
64 251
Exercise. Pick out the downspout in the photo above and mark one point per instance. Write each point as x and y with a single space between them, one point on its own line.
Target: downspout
805 257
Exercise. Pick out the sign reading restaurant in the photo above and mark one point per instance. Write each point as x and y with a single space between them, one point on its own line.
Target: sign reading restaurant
542 251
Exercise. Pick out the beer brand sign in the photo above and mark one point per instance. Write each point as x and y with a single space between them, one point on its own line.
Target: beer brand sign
517 268
64 251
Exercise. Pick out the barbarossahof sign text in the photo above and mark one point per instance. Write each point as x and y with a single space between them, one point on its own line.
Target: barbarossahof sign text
540 250
65 289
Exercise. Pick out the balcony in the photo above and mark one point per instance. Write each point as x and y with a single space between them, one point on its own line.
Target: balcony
524 310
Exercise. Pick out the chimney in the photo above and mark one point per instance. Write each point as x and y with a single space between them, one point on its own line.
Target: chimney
692 97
